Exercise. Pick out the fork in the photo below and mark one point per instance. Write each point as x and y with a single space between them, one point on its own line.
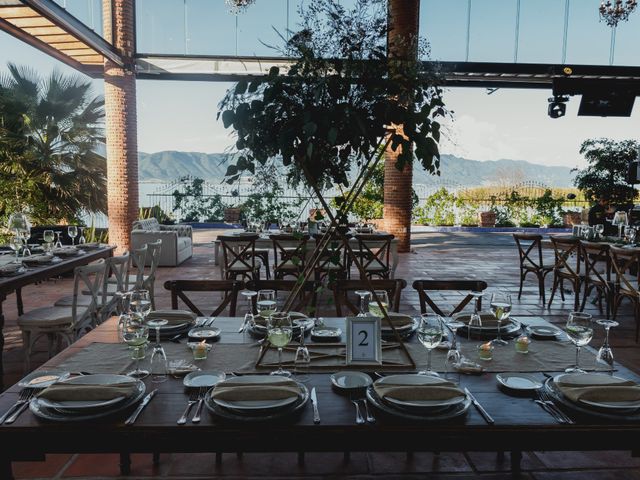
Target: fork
19 407
193 399
202 391
370 417
544 396
359 419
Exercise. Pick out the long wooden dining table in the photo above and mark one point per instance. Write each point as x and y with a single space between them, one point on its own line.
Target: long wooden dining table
520 424
39 273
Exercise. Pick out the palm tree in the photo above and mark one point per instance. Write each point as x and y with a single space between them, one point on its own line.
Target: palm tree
49 131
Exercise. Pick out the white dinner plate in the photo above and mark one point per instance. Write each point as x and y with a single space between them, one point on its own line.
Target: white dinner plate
419 380
630 405
204 332
42 378
97 379
204 378
350 380
255 404
544 331
518 381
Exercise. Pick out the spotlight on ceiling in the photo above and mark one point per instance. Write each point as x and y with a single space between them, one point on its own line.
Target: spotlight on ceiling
557 106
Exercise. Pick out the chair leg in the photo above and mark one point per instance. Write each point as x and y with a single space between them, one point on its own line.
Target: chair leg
562 289
521 282
587 289
576 295
553 290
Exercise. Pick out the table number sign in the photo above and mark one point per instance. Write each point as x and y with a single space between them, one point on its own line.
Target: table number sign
364 345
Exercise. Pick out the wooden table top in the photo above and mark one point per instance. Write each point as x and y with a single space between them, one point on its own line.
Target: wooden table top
520 424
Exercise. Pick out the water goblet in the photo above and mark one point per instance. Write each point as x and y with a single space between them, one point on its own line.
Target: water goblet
26 235
430 334
15 243
453 354
374 307
620 219
629 234
140 303
599 229
279 334
605 353
364 296
158 355
48 237
58 241
501 308
475 320
266 303
72 231
81 240
580 331
136 334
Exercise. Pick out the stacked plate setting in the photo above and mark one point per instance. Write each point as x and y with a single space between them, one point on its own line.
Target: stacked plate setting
89 406
180 321
508 329
405 326
299 320
402 398
596 394
256 398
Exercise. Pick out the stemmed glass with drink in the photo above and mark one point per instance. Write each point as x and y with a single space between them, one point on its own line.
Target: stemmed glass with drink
72 231
374 308
48 237
501 308
620 219
430 334
266 303
599 229
135 333
279 334
140 303
580 331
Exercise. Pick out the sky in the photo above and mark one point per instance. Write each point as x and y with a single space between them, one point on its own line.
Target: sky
506 124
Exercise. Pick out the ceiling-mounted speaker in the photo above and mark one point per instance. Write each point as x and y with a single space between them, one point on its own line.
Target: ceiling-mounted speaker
607 103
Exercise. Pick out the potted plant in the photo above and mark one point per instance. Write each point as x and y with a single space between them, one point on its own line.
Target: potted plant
487 218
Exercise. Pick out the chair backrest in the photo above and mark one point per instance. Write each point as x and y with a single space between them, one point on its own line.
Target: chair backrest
334 255
154 249
594 255
623 260
343 288
305 302
230 288
375 251
88 278
118 267
465 286
289 250
239 252
568 255
529 250
150 224
137 259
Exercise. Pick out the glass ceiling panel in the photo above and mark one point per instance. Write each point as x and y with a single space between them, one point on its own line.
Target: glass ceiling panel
541 31
445 29
492 31
88 12
588 40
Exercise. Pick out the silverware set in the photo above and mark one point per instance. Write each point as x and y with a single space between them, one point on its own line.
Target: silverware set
196 397
360 419
11 415
551 408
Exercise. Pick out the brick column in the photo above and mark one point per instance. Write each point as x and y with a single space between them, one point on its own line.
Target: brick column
402 37
121 123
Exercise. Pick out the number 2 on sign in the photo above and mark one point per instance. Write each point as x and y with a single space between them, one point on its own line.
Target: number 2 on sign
363 340
364 335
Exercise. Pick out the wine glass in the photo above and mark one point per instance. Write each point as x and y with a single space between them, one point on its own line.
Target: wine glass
374 308
72 231
599 229
619 219
266 303
501 308
605 353
15 243
48 238
58 241
453 354
430 334
158 355
302 352
248 317
580 330
364 296
136 334
629 234
279 334
140 303
475 320
81 240
26 235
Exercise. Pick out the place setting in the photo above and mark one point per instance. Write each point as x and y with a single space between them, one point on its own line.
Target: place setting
172 323
495 325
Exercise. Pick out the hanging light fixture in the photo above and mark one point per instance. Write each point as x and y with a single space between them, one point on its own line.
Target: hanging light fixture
238 6
616 11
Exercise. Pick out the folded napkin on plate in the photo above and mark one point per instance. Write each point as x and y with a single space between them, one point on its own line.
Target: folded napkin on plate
439 390
488 319
41 258
598 388
276 389
175 317
85 392
397 319
10 268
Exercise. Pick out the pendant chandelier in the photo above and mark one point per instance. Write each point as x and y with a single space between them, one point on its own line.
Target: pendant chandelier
615 11
238 6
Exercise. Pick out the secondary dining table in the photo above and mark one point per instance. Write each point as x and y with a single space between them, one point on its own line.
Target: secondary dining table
264 242
39 273
520 424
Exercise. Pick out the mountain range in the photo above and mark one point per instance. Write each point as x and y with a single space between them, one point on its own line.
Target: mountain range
169 165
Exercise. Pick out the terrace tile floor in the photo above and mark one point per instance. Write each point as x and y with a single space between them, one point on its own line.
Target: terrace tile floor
488 256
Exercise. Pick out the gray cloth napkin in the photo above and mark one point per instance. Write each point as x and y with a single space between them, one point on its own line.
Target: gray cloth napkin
598 388
61 392
175 317
439 390
278 389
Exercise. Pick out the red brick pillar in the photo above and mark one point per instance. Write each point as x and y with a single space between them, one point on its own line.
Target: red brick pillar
121 123
402 38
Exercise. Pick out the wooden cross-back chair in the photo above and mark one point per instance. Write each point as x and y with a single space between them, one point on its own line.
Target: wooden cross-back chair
333 259
229 288
597 273
530 254
568 266
627 285
425 286
289 254
305 302
239 257
343 288
374 252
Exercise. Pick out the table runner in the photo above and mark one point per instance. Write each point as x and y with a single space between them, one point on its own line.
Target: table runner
241 358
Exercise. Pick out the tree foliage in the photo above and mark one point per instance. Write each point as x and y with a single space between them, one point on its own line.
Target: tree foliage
605 175
49 130
194 205
337 103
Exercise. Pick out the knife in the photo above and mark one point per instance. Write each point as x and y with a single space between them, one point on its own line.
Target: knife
480 408
314 402
143 404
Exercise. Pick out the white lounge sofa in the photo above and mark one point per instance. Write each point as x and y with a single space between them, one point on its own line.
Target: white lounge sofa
177 240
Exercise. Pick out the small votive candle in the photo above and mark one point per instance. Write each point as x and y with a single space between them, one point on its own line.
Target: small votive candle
200 350
522 344
485 351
